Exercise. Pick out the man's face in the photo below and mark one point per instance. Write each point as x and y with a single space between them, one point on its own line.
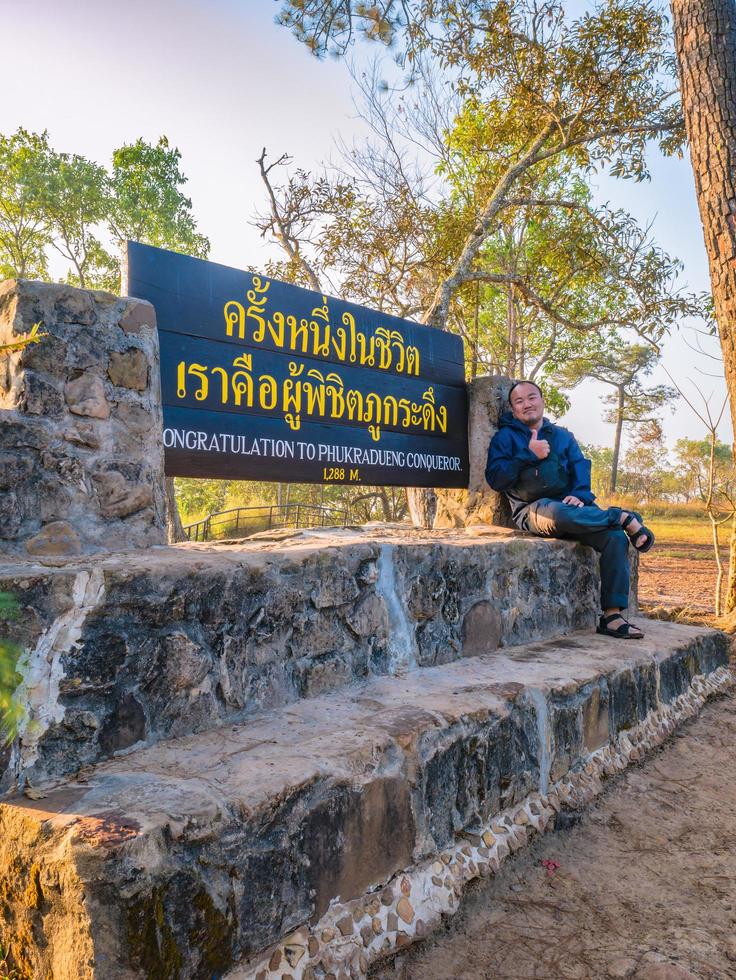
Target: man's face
527 405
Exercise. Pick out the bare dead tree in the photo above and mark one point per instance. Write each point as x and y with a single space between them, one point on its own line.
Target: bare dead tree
287 219
711 421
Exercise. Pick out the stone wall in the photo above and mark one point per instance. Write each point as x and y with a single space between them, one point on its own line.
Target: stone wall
132 649
318 839
81 453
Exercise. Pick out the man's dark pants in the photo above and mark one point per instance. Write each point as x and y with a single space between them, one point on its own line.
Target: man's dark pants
592 525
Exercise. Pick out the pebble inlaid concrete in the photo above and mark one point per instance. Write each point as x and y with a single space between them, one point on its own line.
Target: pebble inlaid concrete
328 833
352 936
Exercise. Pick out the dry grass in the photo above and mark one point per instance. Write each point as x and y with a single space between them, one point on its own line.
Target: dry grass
675 525
656 508
677 578
685 531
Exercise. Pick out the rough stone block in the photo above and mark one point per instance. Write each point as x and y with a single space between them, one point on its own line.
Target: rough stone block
85 395
55 538
596 719
487 400
128 369
120 495
188 857
137 317
80 423
39 396
481 629
180 639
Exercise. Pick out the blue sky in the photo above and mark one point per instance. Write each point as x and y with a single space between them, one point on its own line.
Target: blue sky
221 80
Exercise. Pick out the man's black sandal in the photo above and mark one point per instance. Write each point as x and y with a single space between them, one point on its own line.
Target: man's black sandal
622 632
636 534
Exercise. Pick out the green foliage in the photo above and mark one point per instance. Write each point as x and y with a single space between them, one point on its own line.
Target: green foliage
603 79
515 102
629 403
146 203
555 402
330 26
693 458
620 367
32 337
197 498
644 470
328 215
11 710
561 256
6 971
678 490
74 204
605 76
24 235
601 458
70 203
647 473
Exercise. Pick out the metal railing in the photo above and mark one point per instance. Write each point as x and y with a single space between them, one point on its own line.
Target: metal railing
243 521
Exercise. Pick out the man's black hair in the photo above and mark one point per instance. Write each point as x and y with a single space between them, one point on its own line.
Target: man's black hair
522 382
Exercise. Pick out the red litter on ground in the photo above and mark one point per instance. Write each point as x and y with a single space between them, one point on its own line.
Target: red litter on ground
550 866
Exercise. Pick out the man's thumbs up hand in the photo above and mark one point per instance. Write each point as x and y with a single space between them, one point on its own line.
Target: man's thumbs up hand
540 447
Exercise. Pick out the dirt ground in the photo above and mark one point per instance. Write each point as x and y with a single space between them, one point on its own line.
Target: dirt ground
679 583
646 886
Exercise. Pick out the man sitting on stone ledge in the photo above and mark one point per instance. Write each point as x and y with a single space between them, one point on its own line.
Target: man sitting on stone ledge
546 478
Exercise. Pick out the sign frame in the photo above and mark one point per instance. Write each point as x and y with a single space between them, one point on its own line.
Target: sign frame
265 380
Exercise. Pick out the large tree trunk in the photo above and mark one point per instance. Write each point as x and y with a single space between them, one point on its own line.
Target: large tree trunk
705 41
511 360
730 604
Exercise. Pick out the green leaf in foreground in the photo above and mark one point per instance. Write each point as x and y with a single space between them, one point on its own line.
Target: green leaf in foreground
11 710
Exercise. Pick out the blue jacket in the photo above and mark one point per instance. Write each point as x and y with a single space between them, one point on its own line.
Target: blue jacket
509 453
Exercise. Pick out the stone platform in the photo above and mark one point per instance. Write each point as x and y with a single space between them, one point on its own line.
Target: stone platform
284 757
318 836
128 649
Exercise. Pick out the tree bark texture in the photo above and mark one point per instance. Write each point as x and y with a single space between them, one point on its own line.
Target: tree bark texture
174 528
705 42
487 400
422 503
730 602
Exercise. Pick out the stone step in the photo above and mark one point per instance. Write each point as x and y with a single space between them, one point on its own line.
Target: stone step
334 830
132 649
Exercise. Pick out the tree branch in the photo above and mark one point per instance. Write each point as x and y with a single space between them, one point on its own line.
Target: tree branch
282 230
438 310
536 300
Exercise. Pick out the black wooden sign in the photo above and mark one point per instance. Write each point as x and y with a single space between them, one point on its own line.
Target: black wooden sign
263 380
